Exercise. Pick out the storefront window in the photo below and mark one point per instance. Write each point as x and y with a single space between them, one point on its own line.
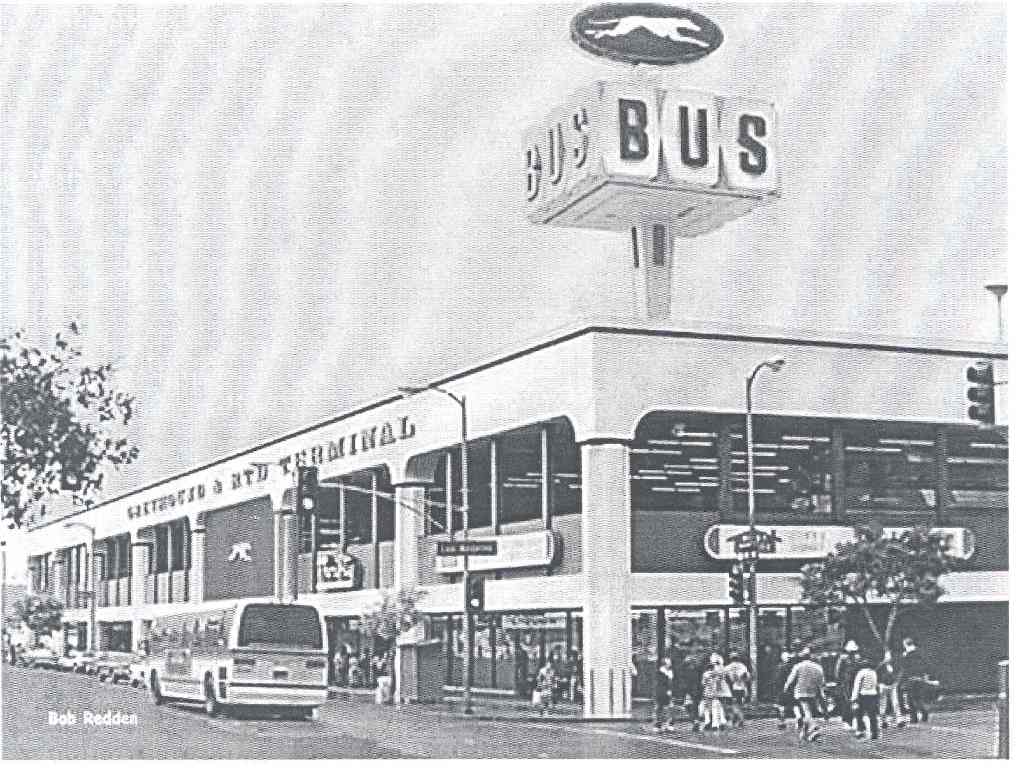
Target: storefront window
480 485
792 465
519 475
328 519
889 466
674 463
161 559
439 496
977 468
385 506
358 526
564 467
809 627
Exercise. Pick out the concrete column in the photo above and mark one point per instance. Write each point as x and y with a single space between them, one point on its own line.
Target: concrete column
653 246
141 553
606 575
59 578
197 566
410 508
286 556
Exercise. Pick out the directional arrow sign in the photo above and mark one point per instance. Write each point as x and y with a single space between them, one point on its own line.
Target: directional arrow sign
461 548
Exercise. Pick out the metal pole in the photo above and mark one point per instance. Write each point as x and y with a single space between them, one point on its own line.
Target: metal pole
1003 704
466 618
752 610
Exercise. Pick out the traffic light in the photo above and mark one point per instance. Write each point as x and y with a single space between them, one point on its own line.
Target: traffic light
736 583
475 594
983 394
306 490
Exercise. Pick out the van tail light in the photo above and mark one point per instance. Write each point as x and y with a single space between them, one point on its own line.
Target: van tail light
245 665
316 664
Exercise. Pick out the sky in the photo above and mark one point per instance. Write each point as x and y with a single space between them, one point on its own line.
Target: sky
266 215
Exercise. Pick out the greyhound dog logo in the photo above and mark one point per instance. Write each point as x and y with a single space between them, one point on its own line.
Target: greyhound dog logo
645 33
668 28
241 552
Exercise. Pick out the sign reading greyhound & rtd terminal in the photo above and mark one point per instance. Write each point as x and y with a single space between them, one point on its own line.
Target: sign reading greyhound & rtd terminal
645 33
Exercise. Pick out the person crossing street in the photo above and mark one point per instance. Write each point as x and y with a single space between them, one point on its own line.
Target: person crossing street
807 680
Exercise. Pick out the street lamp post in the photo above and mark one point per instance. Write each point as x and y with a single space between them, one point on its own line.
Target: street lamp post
92 580
467 695
774 365
998 290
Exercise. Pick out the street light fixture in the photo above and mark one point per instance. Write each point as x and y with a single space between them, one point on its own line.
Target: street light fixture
92 579
467 696
774 365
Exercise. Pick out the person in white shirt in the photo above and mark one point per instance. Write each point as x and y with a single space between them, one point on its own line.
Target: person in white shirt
864 698
738 677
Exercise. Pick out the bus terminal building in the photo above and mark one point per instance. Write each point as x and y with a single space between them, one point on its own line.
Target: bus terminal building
609 464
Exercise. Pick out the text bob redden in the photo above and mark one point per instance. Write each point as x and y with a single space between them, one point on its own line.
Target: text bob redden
109 718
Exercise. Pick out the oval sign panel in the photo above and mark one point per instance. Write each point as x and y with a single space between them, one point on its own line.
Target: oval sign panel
645 33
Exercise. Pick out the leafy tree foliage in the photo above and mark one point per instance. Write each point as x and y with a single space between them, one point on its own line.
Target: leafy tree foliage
900 570
395 614
57 415
42 615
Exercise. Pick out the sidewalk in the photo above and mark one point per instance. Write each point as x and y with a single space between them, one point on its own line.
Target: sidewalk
508 708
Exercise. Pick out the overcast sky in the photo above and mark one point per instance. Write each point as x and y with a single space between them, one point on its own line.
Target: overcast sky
266 215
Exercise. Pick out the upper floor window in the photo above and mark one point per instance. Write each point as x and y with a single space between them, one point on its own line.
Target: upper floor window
977 468
792 463
889 466
520 475
674 463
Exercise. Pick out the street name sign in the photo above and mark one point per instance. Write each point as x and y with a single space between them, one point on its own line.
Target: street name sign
462 548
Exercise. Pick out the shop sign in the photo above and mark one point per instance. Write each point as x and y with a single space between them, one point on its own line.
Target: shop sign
618 150
529 621
515 550
645 33
337 570
804 542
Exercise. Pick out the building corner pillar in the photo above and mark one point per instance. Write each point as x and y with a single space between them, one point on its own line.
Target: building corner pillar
410 507
607 566
197 565
142 551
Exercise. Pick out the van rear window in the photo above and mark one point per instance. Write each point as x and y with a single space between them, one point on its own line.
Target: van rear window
290 626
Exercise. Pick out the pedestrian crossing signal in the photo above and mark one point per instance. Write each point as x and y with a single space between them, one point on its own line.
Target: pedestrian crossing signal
475 594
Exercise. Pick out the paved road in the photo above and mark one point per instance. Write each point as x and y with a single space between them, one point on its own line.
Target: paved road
361 729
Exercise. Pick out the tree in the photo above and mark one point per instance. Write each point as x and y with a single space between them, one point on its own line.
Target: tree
387 620
57 415
902 570
42 615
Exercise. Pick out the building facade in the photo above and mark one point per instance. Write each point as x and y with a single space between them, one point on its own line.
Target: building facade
609 462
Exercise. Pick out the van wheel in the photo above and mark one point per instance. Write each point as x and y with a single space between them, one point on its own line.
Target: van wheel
210 703
154 689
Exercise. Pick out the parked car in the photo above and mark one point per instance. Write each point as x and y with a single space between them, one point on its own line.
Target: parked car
39 657
76 661
114 666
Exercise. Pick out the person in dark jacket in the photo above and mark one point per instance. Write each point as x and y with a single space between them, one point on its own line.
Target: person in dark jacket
847 666
888 693
912 677
663 695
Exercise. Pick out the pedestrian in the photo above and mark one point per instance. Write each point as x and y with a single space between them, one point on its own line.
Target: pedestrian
738 677
888 692
864 698
807 681
715 694
663 696
913 679
634 675
544 693
847 665
690 680
784 702
522 671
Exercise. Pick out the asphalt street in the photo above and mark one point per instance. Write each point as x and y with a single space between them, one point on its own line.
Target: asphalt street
34 699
